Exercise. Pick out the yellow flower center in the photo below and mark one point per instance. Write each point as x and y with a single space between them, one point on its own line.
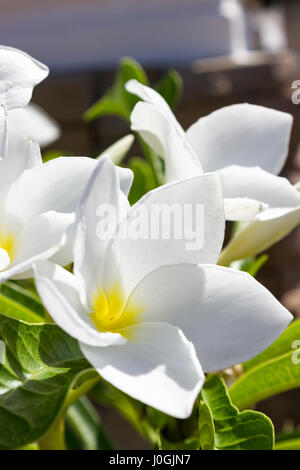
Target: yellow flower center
7 249
111 312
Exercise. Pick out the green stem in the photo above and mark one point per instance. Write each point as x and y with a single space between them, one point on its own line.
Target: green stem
55 437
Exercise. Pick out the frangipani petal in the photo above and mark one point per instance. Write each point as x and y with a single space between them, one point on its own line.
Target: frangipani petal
255 183
242 208
19 73
38 239
59 291
3 130
167 139
158 366
56 185
194 208
226 314
43 129
102 207
22 152
257 236
150 96
242 134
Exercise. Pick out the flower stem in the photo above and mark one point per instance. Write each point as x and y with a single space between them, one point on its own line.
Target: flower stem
55 438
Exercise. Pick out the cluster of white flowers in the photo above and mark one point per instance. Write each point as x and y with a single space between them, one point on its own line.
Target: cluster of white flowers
150 316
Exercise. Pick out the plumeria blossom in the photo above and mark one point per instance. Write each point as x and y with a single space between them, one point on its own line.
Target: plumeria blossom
150 316
245 144
19 73
37 201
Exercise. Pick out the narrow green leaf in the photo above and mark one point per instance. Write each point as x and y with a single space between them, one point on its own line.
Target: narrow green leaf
266 379
42 364
206 427
235 430
117 101
86 423
20 303
170 87
119 149
282 345
131 410
24 297
251 265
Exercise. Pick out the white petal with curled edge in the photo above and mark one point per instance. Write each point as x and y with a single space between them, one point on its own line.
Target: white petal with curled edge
255 183
167 139
226 314
242 134
257 236
19 73
59 292
151 96
38 239
158 366
194 207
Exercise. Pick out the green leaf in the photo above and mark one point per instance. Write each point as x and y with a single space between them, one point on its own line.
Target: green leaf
117 101
265 380
282 345
52 154
170 87
20 303
131 410
119 149
206 427
87 426
42 365
251 265
293 444
235 430
190 443
143 180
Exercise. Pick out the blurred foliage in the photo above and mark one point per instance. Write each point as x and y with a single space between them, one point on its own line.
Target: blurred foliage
117 101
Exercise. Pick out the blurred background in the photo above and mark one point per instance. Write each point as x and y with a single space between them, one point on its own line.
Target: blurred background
227 51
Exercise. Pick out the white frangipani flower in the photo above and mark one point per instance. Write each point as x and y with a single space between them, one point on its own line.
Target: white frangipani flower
149 315
19 73
38 201
43 128
245 144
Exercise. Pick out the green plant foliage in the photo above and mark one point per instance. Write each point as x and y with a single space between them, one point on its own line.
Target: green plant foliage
235 430
282 345
265 380
253 265
170 87
190 443
84 422
271 372
18 302
42 365
132 410
143 180
117 101
206 427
